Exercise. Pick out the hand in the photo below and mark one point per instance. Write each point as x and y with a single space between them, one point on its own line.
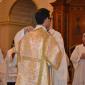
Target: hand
28 29
83 56
11 53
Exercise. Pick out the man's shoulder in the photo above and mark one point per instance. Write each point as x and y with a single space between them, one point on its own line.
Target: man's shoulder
79 46
19 34
36 34
55 31
39 31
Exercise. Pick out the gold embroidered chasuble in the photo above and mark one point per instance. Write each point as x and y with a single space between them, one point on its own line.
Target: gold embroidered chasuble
36 50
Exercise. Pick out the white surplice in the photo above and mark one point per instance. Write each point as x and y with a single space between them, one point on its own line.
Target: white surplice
79 65
2 69
11 66
60 76
1 57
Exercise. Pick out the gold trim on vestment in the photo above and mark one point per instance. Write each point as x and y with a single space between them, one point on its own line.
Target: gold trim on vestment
41 66
40 71
30 58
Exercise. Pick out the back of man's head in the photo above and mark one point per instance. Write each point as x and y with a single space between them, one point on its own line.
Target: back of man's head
41 15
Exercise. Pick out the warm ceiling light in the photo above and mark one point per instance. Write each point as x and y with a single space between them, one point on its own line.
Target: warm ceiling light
0 0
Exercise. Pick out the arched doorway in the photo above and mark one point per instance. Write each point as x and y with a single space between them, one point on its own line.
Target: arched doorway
21 14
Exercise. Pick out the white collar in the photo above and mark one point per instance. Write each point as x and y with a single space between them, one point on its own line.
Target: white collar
40 26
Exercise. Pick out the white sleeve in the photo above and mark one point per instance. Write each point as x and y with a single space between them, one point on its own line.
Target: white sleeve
1 57
75 57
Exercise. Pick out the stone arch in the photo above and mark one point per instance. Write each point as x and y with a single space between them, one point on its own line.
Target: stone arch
22 12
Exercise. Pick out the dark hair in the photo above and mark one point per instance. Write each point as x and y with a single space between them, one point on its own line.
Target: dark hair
41 15
12 45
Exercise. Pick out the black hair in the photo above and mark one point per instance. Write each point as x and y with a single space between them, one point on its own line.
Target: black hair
41 15
12 45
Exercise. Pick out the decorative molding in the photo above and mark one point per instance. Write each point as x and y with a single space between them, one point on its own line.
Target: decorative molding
13 23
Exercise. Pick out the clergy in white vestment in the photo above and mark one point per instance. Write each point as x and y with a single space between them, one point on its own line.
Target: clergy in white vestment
11 61
2 69
60 76
78 60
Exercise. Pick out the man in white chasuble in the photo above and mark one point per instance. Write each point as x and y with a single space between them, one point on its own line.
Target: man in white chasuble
36 50
78 60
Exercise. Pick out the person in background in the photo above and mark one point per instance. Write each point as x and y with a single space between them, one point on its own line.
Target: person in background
60 75
78 60
2 69
11 62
